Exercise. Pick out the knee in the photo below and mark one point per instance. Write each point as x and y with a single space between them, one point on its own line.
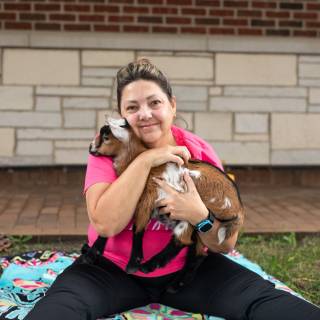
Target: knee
78 298
59 305
72 296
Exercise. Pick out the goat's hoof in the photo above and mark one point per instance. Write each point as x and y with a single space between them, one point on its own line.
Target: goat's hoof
146 268
133 266
131 269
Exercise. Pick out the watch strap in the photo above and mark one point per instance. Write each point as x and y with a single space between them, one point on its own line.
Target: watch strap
205 224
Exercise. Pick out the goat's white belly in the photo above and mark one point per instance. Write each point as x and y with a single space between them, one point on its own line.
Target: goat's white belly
173 175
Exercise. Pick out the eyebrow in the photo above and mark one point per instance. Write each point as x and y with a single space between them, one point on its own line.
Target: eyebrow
129 101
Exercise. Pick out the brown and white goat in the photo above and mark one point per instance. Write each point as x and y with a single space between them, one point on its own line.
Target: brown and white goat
218 192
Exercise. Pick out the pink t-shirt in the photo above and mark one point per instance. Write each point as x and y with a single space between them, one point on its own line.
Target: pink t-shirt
156 236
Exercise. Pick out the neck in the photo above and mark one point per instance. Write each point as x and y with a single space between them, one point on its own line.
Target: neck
164 141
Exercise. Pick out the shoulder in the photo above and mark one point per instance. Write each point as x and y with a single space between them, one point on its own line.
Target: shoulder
99 169
183 134
97 161
185 137
198 147
98 164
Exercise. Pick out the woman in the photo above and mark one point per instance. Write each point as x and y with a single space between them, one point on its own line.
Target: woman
101 288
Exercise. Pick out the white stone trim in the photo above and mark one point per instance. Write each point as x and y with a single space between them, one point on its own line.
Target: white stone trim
144 41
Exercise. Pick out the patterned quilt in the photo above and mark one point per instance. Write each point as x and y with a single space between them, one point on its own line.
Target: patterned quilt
26 278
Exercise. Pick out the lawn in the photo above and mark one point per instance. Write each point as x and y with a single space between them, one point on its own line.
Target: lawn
293 259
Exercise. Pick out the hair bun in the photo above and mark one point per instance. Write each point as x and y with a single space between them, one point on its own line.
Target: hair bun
143 60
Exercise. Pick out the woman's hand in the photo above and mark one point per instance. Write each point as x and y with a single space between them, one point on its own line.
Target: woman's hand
189 206
182 206
158 156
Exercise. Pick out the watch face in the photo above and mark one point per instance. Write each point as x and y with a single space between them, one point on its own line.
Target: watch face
205 226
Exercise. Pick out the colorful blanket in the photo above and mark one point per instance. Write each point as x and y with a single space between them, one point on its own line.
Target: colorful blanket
26 278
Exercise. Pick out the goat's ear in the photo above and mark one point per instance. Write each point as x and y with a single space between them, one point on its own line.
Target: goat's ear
105 130
126 124
94 145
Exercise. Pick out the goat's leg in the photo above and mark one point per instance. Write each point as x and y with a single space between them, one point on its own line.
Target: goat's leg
163 257
232 228
200 246
194 258
188 272
185 237
136 251
145 207
228 229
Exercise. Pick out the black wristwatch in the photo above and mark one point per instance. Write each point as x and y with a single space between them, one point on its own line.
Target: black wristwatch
206 224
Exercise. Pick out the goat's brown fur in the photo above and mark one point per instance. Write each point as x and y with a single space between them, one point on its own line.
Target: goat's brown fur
212 183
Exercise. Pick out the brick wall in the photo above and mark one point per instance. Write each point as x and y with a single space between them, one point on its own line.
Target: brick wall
212 17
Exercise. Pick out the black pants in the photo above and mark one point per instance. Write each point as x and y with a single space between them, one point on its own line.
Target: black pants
221 287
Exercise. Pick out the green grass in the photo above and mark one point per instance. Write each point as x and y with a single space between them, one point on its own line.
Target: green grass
28 243
295 260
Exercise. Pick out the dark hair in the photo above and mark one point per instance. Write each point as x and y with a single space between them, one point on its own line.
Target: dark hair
142 69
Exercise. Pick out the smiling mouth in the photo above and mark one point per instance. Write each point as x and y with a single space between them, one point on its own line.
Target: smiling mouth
148 125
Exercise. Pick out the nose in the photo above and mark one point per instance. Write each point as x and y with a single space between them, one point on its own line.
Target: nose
145 113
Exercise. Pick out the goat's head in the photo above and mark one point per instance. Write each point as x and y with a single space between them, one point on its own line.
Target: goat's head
112 136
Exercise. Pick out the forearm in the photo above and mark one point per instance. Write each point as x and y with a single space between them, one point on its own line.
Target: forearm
117 204
210 238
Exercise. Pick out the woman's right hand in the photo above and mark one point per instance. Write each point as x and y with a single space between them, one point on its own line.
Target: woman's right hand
158 156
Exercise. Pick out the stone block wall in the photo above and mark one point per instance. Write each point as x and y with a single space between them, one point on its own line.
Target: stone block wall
255 108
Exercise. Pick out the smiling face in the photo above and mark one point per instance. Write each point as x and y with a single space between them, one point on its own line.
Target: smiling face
149 112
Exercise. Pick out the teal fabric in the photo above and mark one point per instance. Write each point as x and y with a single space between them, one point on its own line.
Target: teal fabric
26 278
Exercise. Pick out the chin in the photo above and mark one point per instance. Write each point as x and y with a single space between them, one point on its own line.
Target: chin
151 140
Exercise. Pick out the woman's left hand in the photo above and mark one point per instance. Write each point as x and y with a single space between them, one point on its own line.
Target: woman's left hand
182 206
